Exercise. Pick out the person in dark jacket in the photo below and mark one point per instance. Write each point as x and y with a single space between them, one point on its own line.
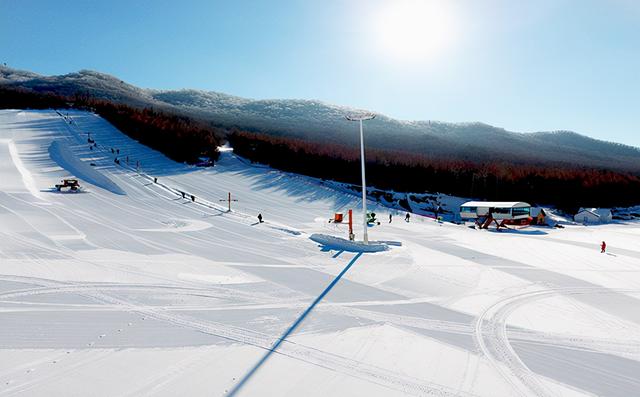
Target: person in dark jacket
390 218
259 218
406 217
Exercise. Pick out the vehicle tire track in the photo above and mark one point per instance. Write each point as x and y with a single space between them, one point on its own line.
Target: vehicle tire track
491 336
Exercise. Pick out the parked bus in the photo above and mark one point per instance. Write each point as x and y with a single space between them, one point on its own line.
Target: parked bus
502 213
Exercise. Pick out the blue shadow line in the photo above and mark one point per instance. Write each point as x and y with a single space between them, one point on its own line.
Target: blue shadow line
292 328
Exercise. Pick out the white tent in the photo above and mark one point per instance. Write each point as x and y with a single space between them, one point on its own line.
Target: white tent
593 215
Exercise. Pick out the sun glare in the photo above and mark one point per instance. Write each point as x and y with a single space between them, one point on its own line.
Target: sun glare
413 30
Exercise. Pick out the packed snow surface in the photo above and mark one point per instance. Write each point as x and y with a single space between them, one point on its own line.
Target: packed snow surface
152 293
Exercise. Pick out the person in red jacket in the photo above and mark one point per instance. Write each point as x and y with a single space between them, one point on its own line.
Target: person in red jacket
603 247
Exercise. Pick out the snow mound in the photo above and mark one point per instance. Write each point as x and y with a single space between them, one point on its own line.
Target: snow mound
337 243
67 160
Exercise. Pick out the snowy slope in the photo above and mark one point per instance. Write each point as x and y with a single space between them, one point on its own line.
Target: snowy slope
149 293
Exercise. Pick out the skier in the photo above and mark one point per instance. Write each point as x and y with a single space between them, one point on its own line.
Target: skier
406 217
155 180
259 218
603 247
390 218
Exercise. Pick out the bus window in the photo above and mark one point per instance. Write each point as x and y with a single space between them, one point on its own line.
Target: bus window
521 211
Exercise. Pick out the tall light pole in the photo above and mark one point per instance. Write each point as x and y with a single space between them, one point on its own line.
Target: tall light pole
361 118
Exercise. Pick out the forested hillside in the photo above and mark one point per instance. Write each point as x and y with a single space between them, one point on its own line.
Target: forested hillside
561 185
469 160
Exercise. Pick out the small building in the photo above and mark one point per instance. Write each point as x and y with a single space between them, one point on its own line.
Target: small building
498 209
593 216
539 216
543 217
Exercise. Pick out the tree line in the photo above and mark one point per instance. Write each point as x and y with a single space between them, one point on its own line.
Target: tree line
183 138
180 138
563 186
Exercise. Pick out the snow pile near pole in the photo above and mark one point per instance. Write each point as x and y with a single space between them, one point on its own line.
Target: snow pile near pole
67 160
341 244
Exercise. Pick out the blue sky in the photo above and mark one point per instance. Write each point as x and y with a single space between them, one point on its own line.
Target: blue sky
521 65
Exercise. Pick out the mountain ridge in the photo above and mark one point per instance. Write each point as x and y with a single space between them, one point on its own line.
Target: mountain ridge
318 121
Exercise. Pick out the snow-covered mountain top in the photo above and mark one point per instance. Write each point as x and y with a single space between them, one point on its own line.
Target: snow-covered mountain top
9 75
81 82
315 120
209 100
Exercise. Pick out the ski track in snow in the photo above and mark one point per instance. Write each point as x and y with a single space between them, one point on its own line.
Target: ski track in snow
248 337
491 336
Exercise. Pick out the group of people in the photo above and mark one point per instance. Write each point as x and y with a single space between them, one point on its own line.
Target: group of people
407 217
115 151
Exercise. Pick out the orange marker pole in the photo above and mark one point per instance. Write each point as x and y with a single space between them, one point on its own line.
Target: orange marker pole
351 225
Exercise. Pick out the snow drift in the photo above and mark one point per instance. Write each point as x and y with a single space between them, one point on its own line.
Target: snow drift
67 160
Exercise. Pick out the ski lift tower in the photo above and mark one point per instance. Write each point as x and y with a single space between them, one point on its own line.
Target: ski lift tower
362 117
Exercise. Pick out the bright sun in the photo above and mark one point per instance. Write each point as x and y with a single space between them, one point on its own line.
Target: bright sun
413 30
